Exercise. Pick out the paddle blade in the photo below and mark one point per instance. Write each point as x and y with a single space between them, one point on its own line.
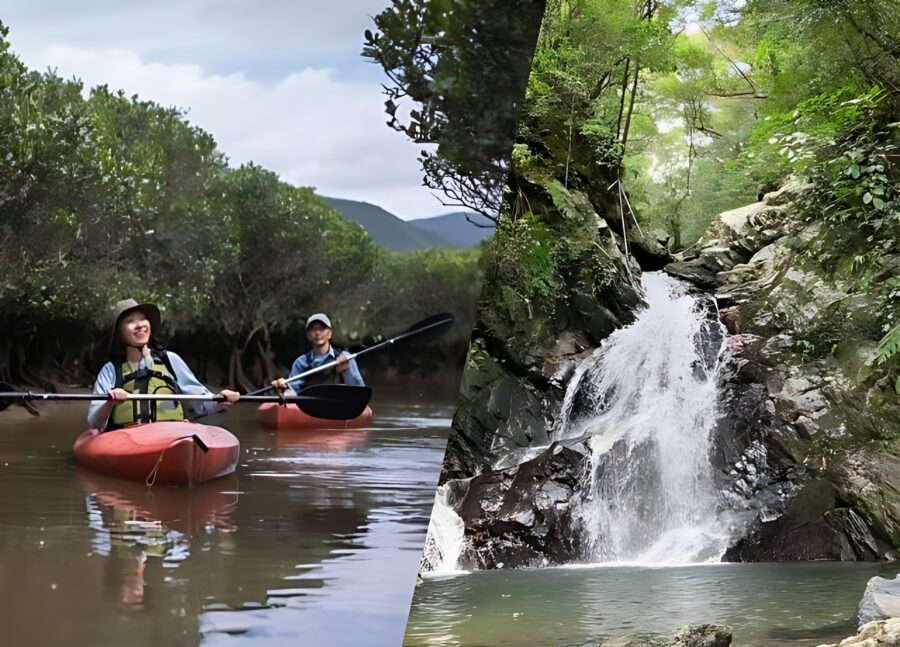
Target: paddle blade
11 394
333 401
428 329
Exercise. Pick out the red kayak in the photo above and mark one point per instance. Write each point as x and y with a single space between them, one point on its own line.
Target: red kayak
167 453
289 416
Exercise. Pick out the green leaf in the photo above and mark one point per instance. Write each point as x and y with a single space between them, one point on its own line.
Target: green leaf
867 198
879 203
889 346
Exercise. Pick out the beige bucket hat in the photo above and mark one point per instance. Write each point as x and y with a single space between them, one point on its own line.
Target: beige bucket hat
125 306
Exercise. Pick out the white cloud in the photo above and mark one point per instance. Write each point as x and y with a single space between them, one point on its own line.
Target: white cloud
310 126
278 83
214 33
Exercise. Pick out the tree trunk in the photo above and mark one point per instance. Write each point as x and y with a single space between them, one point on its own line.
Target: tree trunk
637 72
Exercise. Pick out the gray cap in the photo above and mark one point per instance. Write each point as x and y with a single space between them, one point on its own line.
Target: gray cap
321 318
125 306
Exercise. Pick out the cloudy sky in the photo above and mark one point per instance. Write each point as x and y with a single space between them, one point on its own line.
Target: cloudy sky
280 83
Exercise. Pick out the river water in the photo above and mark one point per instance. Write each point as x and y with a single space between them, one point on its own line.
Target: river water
316 540
766 605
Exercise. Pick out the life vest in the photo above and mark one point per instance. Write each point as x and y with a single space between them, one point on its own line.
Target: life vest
159 379
330 376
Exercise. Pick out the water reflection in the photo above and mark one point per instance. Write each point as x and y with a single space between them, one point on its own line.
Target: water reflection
325 441
133 523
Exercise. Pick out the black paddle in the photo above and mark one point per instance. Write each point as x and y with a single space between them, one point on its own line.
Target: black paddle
425 330
329 401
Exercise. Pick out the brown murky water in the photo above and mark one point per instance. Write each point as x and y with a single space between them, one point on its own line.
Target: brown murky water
316 540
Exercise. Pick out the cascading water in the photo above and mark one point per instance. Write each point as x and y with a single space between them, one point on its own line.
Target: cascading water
648 400
444 542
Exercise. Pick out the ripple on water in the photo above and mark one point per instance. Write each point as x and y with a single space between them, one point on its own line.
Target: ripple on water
809 604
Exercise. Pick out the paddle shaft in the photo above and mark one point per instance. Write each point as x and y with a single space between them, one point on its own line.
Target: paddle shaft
28 395
378 346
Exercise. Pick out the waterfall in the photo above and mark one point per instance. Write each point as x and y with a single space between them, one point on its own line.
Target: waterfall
444 543
648 401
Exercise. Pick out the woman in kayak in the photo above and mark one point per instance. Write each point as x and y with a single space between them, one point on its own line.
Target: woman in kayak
138 365
318 332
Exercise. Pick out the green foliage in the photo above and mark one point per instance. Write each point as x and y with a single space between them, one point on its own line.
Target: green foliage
889 346
889 309
403 287
562 199
588 50
463 65
112 196
520 267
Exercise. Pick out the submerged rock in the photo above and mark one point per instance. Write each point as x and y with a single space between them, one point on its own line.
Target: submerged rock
704 635
881 600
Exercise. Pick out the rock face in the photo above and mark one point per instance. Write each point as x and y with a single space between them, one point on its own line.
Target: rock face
809 442
807 448
881 600
521 516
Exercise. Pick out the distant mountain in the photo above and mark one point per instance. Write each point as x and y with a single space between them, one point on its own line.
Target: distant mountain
454 228
386 229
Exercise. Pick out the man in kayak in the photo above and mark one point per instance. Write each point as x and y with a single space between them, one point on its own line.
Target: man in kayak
138 365
318 332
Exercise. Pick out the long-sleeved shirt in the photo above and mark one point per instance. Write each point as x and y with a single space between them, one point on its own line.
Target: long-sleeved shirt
302 364
186 379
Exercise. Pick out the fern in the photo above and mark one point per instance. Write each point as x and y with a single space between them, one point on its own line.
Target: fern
562 199
889 346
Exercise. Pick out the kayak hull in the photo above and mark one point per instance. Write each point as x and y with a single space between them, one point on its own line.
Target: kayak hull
164 453
289 416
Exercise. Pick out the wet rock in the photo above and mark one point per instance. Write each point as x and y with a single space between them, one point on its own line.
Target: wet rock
870 480
694 271
521 515
731 320
806 444
815 524
704 635
649 253
881 600
499 412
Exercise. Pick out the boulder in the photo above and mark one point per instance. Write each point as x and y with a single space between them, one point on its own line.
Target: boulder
881 600
499 412
521 516
884 633
704 635
694 271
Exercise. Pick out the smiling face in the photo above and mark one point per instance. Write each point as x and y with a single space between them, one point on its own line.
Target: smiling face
319 334
134 329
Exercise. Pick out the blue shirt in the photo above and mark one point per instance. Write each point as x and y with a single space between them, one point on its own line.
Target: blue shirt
106 380
350 376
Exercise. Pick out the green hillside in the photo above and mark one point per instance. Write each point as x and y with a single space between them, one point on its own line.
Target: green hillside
385 228
456 229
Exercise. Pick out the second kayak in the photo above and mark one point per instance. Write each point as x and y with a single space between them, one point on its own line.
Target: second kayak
166 453
289 416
